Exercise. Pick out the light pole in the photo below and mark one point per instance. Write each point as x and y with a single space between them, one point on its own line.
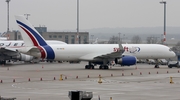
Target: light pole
77 35
119 37
92 36
7 15
164 2
27 15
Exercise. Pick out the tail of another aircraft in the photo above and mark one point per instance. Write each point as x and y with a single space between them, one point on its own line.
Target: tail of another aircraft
33 40
29 34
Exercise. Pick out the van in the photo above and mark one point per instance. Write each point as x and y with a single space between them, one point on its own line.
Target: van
173 64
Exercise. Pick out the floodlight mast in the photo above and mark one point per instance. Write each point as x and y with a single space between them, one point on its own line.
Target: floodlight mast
27 15
8 14
164 39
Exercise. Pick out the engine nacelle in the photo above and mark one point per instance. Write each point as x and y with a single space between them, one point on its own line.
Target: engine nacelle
26 57
126 60
23 57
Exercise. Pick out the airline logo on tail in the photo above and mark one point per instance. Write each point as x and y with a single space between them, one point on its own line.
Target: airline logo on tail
38 41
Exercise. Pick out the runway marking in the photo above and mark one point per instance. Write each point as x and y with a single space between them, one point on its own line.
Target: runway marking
39 93
10 77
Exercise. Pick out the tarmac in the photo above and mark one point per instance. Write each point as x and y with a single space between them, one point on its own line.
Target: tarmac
43 82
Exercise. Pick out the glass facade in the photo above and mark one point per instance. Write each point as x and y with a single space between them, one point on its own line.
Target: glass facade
66 39
72 39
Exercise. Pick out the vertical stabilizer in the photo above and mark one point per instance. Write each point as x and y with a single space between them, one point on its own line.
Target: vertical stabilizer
29 34
32 38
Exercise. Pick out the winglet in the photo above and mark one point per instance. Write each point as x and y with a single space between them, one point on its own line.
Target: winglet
121 49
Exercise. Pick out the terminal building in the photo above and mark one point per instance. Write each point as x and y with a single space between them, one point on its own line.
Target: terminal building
68 37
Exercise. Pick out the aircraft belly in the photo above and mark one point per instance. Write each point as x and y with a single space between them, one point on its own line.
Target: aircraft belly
66 56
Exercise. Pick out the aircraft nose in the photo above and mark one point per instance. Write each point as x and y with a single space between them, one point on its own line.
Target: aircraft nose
173 54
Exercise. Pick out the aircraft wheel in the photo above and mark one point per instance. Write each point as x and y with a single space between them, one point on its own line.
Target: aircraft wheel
106 67
87 67
100 67
156 66
91 67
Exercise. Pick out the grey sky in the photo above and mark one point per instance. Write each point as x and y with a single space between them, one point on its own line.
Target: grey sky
61 14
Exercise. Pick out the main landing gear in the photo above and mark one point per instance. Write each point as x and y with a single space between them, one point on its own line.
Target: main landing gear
3 62
103 67
91 66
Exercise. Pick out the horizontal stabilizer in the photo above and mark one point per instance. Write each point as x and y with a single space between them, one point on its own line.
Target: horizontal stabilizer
25 49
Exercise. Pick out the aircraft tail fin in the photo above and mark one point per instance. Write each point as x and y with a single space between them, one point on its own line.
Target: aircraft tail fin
29 34
96 41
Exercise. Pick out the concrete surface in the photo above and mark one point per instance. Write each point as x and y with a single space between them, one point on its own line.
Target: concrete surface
140 82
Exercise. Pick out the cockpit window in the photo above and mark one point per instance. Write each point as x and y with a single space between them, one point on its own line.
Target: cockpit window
170 49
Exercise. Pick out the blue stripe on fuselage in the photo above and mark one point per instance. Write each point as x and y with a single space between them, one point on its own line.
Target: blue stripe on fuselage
49 51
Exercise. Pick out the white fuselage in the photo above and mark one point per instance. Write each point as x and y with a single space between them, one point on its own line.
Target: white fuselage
90 51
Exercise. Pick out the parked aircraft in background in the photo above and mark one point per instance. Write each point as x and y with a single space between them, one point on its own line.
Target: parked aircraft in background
3 38
8 51
96 41
102 54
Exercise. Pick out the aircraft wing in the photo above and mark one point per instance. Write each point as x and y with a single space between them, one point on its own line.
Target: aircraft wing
94 56
8 52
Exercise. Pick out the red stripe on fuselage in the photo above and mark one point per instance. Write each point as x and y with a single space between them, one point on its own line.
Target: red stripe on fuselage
32 38
43 54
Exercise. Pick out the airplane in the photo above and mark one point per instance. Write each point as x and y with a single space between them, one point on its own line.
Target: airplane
96 41
8 51
3 38
101 54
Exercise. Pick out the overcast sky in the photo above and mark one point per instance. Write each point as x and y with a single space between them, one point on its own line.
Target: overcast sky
62 14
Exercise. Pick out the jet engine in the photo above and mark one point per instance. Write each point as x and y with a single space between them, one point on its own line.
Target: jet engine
23 57
126 60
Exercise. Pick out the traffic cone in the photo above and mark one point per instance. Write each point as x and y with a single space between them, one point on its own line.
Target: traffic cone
122 74
13 80
136 67
131 73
